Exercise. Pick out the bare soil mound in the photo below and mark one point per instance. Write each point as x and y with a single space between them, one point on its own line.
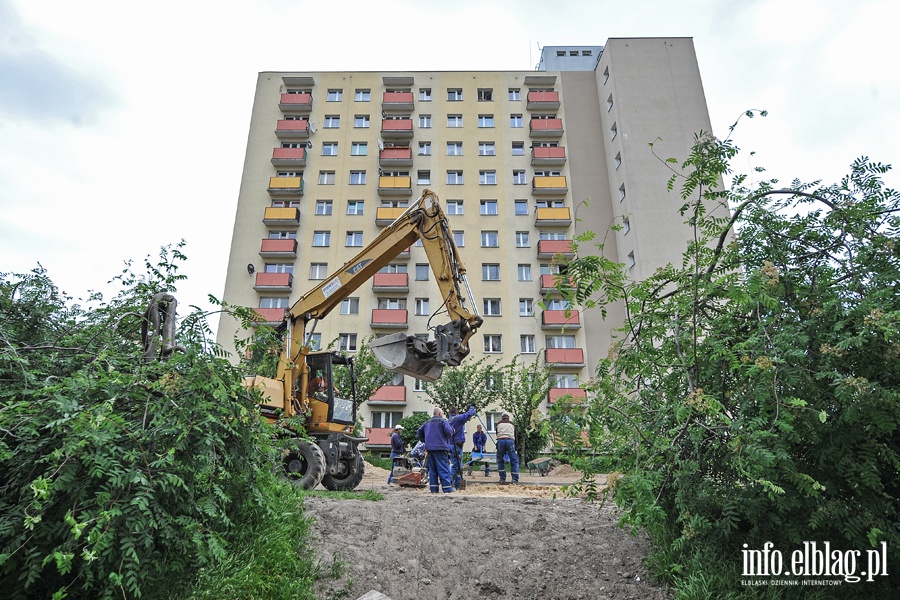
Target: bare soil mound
525 541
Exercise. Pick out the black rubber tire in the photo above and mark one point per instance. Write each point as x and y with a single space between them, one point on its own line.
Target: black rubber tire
352 471
304 466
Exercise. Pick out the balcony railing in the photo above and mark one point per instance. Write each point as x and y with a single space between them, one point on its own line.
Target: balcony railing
385 215
576 394
295 103
400 101
554 248
390 282
542 101
549 282
396 129
395 185
389 394
549 185
287 129
378 436
275 248
564 357
398 156
270 316
285 186
289 157
555 216
273 282
546 128
390 318
548 156
560 319
288 217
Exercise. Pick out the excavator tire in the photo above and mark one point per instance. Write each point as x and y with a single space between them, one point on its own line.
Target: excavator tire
351 474
304 466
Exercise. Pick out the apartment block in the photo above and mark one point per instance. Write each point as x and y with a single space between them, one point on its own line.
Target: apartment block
522 162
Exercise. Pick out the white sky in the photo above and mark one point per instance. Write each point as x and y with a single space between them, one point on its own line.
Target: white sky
123 125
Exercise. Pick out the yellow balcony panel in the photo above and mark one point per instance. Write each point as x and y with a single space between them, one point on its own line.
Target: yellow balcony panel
552 216
285 186
554 248
549 185
560 319
390 318
542 101
397 156
288 218
278 248
543 156
296 103
398 101
273 282
390 282
289 157
564 357
395 185
291 129
396 129
385 215
546 128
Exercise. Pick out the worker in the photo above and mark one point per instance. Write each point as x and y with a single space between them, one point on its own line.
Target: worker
397 448
458 423
506 447
479 444
316 384
437 435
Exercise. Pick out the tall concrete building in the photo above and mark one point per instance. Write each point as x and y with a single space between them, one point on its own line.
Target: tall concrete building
522 162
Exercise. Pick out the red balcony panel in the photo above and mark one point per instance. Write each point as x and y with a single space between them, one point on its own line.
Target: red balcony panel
270 315
390 393
271 280
559 318
396 153
390 317
289 154
397 98
548 97
565 356
555 394
549 282
378 436
546 127
550 248
279 247
396 125
390 280
295 125
295 102
542 152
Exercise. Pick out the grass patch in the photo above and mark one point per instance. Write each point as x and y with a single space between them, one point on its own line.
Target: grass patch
377 461
351 495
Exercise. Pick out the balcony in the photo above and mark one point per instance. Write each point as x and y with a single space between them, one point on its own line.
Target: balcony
287 218
390 282
542 101
378 437
551 157
398 156
396 129
269 316
559 319
554 248
549 185
289 157
390 318
287 129
552 217
273 282
546 128
395 185
385 215
397 101
389 395
549 282
278 248
564 357
575 394
295 103
285 186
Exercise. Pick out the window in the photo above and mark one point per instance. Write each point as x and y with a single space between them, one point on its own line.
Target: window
490 239
522 239
630 262
486 149
549 203
293 144
526 344
626 225
491 307
282 235
518 148
488 207
326 177
354 238
386 420
329 148
391 303
425 121
361 121
318 270
586 52
425 94
347 343
359 149
490 272
357 177
315 341
618 160
289 174
487 177
454 177
621 192
560 341
515 94
424 148
323 207
321 238
454 121
516 121
485 120
558 304
334 96
418 385
454 148
609 103
613 131
332 121
560 52
423 178
422 272
564 380
485 95
519 177
524 272
355 207
526 307
493 344
521 207
605 75
552 235
422 306
454 207
454 94
273 302
393 268
362 95
350 306
550 269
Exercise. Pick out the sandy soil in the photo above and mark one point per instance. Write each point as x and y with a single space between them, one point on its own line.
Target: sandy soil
526 541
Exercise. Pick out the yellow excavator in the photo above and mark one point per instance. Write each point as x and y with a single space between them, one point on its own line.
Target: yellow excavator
329 453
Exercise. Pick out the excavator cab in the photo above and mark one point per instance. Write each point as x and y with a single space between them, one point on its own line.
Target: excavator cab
330 405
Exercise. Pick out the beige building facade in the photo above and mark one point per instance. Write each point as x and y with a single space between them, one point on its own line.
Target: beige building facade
522 162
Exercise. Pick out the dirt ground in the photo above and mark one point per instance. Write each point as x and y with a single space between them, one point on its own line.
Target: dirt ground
525 541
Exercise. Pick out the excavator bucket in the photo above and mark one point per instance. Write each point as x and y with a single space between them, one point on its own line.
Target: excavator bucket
407 354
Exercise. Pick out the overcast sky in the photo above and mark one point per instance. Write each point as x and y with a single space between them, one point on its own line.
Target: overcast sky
123 125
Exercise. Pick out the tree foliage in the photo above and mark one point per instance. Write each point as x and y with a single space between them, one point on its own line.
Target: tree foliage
525 386
473 383
752 395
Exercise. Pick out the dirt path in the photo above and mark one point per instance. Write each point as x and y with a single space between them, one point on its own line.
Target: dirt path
487 541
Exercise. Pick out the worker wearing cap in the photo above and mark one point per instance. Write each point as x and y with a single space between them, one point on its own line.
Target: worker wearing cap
506 446
458 423
397 449
438 437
